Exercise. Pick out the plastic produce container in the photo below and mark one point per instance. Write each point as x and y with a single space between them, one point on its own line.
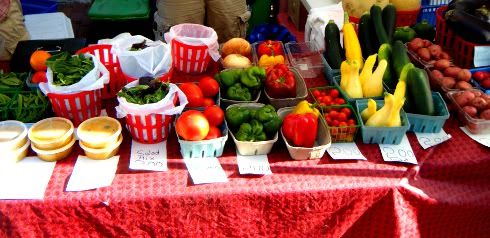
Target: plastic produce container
330 73
475 83
204 148
301 93
474 125
255 53
252 148
305 57
382 135
38 6
323 140
349 99
345 133
430 124
13 135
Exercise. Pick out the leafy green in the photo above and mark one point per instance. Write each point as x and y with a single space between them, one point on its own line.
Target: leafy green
152 92
68 69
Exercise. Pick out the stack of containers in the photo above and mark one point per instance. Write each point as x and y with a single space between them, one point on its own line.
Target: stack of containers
13 140
52 138
100 137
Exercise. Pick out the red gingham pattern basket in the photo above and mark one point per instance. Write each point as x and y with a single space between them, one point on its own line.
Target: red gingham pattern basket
189 58
77 107
110 61
149 129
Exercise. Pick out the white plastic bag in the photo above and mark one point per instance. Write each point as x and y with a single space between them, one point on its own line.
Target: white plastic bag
195 34
152 61
94 79
318 19
165 106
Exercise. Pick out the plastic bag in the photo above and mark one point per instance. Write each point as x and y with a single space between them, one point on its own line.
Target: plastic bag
152 61
195 34
165 106
95 79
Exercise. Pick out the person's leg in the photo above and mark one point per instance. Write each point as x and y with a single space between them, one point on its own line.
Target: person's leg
12 30
228 18
173 12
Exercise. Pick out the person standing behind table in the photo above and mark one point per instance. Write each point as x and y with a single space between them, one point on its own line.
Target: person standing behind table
12 27
227 17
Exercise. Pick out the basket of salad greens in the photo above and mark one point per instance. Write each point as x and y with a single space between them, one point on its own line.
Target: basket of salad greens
149 106
74 86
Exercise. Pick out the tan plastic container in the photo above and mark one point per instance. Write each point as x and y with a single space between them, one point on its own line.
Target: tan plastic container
301 93
104 153
13 135
51 134
54 155
18 154
99 132
323 140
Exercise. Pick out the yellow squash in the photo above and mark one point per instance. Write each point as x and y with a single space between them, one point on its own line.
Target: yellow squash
354 88
369 111
352 46
367 70
381 117
374 87
344 74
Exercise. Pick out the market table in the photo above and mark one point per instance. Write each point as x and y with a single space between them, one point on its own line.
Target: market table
446 195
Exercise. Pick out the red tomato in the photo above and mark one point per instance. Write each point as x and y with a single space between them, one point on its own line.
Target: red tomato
339 101
351 122
334 93
346 111
215 115
193 93
343 124
323 93
39 77
192 125
335 123
214 132
208 102
333 114
316 93
209 86
327 99
341 117
38 60
479 76
485 83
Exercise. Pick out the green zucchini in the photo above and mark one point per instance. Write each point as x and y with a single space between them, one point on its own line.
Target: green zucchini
399 57
378 24
365 36
389 20
418 89
333 50
384 52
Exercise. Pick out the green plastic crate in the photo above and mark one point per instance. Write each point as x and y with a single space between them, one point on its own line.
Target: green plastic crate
119 10
430 124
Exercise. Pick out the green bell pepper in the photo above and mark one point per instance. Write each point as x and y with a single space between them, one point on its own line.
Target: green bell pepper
425 30
252 77
238 93
265 113
253 131
228 78
404 34
236 116
272 126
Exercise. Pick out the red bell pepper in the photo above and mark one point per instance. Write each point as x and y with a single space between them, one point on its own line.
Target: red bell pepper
270 47
300 129
280 82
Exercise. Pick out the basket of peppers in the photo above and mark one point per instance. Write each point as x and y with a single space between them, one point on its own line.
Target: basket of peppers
306 136
253 126
284 86
240 85
269 53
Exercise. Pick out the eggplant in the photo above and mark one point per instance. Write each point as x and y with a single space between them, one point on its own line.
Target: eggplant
466 5
469 27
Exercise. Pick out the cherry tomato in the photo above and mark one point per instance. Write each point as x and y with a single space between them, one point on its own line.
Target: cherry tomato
39 77
334 93
343 124
214 132
339 101
209 86
341 117
192 125
193 93
479 76
346 111
335 123
333 114
215 115
208 102
316 93
323 93
327 99
351 122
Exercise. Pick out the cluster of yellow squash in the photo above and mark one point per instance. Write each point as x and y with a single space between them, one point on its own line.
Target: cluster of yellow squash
366 84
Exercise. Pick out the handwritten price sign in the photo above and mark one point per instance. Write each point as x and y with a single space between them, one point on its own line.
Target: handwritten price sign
398 153
255 164
427 140
205 170
148 156
345 151
483 139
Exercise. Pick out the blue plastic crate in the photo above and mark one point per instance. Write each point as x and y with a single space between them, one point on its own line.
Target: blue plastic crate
204 148
430 124
428 13
382 135
475 83
330 73
38 6
434 2
336 82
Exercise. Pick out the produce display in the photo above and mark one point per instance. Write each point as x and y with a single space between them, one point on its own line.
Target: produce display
280 82
449 76
68 69
148 91
342 122
270 53
365 84
426 51
193 125
241 84
250 124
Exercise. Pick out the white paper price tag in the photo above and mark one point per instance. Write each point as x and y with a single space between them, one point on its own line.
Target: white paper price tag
398 153
205 170
254 164
483 139
148 156
345 151
427 140
91 174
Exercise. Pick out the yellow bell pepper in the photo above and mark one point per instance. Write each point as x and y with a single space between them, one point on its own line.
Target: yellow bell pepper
270 60
304 107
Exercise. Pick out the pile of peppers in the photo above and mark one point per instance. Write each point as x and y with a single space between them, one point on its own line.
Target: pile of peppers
241 84
250 124
300 126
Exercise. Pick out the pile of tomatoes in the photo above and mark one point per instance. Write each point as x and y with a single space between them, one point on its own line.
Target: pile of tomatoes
193 125
202 94
328 97
342 123
483 78
38 64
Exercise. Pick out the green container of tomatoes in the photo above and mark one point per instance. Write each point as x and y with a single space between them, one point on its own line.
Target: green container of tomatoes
343 113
